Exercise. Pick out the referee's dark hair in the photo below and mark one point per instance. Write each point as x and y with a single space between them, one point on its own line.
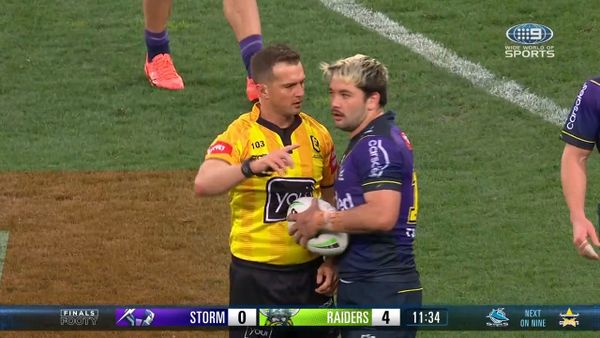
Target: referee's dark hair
261 65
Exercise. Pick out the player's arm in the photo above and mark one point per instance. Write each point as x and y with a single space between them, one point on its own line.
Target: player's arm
379 213
574 181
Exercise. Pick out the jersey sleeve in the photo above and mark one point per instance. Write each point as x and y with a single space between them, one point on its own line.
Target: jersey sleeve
330 165
380 164
227 146
583 123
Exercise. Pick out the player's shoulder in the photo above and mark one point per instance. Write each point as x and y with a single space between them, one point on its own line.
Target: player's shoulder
386 138
594 81
380 129
589 94
591 87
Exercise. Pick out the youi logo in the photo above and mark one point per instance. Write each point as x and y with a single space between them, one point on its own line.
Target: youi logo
529 34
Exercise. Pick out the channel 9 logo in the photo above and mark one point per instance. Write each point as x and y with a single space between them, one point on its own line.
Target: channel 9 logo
529 37
529 34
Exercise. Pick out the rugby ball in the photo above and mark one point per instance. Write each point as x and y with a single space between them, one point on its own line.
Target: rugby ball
325 243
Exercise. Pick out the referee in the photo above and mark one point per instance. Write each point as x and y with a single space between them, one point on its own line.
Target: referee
266 159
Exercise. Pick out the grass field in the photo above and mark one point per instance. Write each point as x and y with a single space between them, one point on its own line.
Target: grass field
80 128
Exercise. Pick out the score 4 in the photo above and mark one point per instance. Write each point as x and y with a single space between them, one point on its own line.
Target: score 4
385 317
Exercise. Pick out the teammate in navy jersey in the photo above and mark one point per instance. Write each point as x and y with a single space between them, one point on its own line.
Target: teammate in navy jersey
581 132
376 194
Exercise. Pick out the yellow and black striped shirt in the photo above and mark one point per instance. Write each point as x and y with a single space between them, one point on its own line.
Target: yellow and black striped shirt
259 204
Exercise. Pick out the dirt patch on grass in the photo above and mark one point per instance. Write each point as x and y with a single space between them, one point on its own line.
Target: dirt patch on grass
112 238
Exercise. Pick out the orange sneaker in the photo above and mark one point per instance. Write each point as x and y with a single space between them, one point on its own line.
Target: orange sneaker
251 90
162 74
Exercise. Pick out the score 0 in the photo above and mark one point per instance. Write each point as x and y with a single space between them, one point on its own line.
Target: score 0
241 317
385 317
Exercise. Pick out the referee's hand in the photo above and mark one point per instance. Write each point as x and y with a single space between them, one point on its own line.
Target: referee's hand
327 278
276 161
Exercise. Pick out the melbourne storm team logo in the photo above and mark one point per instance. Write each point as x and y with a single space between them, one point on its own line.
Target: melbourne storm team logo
281 192
135 317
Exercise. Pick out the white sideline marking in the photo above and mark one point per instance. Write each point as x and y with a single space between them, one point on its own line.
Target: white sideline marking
447 59
3 246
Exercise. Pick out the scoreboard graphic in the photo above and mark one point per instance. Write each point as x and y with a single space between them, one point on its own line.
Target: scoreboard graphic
156 317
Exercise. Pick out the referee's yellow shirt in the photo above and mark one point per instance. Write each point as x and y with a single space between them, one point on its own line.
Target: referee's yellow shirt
259 204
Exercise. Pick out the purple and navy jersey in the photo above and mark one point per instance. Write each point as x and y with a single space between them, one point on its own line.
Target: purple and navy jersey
582 127
379 158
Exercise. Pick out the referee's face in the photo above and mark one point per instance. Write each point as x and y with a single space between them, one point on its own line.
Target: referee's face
285 92
348 105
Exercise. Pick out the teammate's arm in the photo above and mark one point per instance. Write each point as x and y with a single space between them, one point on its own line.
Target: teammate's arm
574 180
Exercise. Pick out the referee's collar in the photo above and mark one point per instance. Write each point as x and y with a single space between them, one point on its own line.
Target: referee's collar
284 133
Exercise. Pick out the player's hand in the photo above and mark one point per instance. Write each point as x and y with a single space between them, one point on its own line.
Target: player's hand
583 230
278 160
327 278
308 223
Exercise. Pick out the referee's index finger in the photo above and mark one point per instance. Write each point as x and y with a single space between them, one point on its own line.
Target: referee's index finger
291 147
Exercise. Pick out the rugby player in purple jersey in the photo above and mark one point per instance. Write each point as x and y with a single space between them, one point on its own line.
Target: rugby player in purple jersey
376 195
581 132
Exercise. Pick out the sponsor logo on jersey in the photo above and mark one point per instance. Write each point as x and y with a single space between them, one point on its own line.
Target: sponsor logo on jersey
406 140
281 192
315 144
379 158
573 116
220 147
345 202
257 332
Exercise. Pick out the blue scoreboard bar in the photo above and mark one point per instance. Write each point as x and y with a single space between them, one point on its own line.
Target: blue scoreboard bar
434 317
